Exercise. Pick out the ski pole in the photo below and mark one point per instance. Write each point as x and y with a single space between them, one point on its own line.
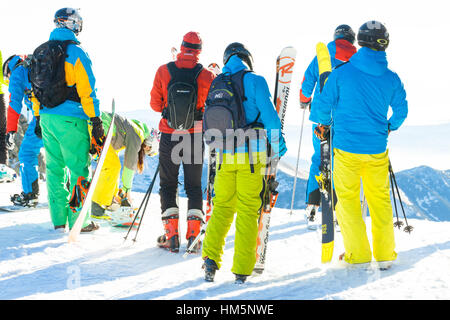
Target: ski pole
398 223
298 158
143 206
408 228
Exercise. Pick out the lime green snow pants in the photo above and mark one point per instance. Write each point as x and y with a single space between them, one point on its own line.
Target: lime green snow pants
66 142
237 190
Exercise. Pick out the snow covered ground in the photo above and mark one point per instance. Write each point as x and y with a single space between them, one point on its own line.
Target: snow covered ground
37 263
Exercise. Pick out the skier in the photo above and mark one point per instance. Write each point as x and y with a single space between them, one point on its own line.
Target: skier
182 112
238 184
65 125
17 72
137 140
340 49
355 101
3 149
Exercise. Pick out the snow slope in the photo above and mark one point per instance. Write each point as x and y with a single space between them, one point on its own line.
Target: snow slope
37 263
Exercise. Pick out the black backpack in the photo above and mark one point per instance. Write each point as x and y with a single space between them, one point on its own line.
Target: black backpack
224 108
47 74
181 110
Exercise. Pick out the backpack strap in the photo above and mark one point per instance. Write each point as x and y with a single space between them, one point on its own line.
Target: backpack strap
72 93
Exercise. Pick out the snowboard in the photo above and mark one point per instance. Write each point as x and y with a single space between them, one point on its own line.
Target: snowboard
284 69
16 208
325 179
75 231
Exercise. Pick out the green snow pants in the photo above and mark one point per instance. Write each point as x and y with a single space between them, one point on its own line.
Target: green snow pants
237 190
66 142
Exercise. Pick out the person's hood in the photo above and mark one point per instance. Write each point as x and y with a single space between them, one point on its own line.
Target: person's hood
234 65
187 58
63 34
341 49
370 61
12 63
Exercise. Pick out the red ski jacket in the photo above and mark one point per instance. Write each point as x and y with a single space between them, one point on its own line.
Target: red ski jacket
158 94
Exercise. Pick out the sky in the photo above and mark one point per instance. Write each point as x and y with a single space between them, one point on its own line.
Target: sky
128 40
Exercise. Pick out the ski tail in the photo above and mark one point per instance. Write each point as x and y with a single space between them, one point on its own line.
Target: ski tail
284 69
76 229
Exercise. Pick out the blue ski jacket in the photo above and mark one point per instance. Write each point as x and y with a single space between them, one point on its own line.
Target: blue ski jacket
340 51
258 107
356 99
79 72
19 86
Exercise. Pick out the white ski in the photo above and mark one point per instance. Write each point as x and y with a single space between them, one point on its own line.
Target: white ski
75 231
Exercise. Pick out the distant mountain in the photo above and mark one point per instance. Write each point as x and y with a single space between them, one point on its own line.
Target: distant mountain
428 190
425 192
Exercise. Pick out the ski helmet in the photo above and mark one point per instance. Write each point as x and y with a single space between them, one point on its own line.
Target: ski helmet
69 18
241 51
373 35
192 40
344 32
10 64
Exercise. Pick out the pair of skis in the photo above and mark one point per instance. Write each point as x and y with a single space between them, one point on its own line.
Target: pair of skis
284 67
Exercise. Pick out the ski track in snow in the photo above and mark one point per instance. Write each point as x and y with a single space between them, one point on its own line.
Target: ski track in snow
37 262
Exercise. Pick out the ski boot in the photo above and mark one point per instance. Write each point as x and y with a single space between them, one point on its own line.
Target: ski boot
170 240
25 199
194 224
310 213
210 268
90 227
240 278
98 212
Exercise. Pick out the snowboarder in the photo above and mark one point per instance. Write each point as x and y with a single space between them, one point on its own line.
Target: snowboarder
16 71
239 184
340 49
179 92
3 149
65 123
355 101
137 140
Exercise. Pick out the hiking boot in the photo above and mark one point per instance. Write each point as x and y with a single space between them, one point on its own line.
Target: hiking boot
240 278
25 199
170 240
98 212
90 227
210 268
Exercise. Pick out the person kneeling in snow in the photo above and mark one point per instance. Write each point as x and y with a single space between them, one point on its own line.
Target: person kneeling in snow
137 140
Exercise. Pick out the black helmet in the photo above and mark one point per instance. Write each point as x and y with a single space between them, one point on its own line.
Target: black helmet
373 35
241 51
6 69
344 32
69 18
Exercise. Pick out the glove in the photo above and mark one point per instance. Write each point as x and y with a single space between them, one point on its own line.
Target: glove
322 132
305 102
98 136
10 140
37 128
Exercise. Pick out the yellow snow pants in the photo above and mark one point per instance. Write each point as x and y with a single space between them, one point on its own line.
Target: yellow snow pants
373 169
237 190
108 182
